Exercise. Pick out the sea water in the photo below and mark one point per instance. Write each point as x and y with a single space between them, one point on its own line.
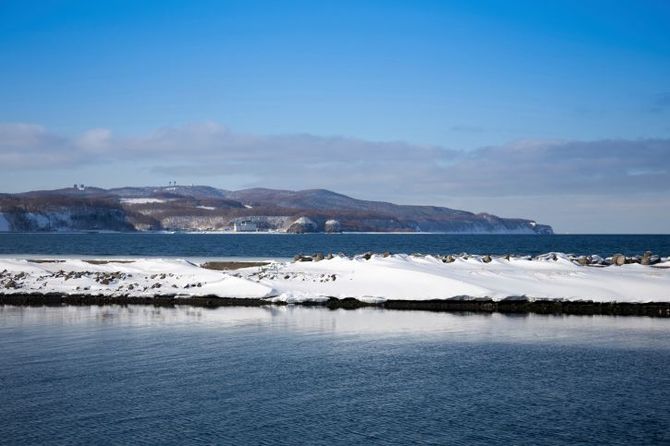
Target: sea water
296 375
287 245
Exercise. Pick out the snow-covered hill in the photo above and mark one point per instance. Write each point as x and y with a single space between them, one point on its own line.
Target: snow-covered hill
204 208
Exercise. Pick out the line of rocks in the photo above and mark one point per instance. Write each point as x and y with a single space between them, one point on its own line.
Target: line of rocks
516 305
648 258
59 299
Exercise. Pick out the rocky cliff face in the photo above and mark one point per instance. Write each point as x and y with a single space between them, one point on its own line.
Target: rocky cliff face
203 208
303 225
65 219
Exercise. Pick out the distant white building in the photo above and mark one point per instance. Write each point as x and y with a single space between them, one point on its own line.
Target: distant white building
245 226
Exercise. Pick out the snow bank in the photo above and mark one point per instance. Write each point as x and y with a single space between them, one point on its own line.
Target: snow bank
422 278
140 277
373 280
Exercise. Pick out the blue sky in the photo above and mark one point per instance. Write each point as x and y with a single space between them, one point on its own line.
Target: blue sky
422 91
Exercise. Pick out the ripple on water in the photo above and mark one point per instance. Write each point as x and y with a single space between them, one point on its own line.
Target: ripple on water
295 375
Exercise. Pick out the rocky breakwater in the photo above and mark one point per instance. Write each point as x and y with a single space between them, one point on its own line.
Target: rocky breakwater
647 258
553 283
520 303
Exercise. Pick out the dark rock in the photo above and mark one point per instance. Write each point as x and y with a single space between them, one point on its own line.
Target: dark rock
618 259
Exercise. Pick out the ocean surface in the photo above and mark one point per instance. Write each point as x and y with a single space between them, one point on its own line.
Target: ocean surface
288 245
297 375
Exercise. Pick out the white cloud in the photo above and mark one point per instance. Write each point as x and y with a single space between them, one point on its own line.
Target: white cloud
391 169
95 140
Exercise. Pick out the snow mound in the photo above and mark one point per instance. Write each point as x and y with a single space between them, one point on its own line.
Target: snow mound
368 278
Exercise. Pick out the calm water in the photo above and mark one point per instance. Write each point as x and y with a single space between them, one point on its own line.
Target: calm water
139 375
287 245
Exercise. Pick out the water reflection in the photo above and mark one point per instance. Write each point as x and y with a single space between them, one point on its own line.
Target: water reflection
367 322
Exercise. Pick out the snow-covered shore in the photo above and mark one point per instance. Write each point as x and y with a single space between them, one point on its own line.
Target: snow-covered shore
372 279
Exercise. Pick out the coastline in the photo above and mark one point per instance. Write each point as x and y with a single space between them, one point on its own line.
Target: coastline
518 305
552 283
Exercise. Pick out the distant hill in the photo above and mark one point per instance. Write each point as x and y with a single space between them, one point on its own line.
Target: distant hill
205 208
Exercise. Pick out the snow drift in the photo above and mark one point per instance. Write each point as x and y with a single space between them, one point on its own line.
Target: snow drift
369 279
